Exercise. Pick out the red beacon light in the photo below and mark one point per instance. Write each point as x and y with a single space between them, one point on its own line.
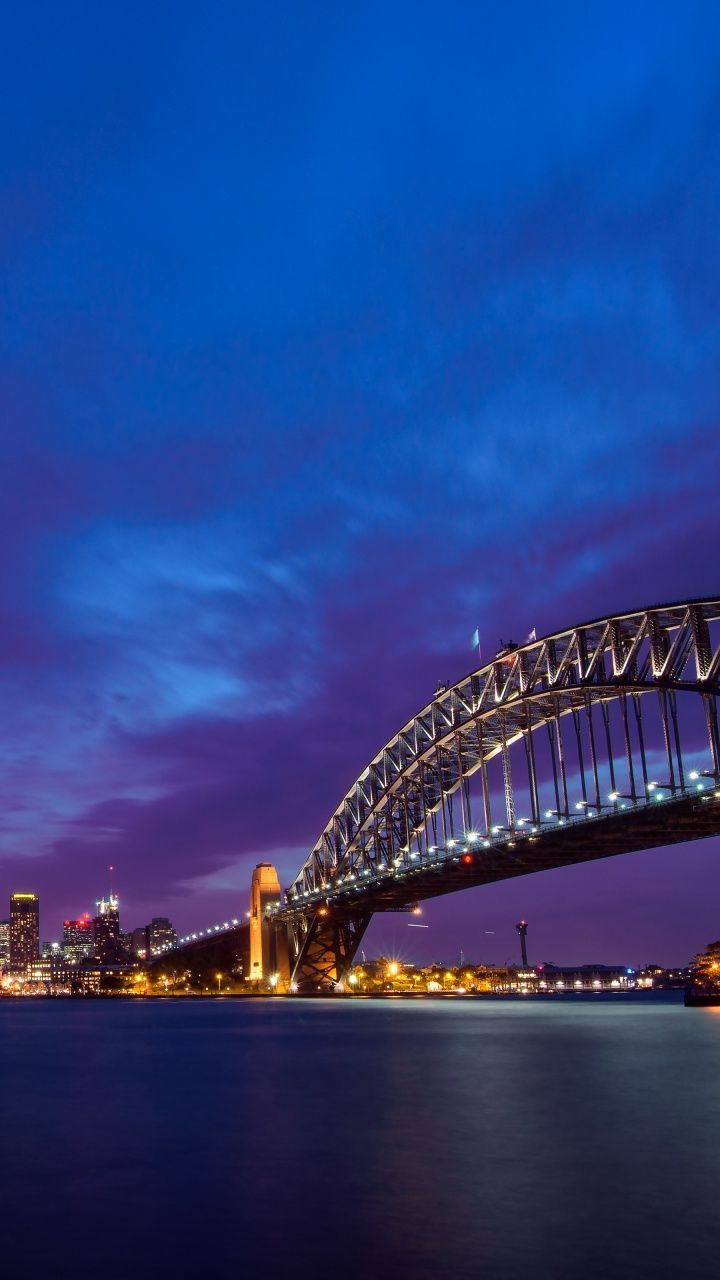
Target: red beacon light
467 859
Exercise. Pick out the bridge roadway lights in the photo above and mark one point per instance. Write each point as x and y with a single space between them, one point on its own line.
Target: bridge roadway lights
331 933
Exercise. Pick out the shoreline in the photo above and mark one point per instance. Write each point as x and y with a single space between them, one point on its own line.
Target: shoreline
415 996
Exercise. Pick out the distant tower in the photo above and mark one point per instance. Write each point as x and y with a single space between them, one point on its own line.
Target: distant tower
264 893
106 929
24 929
521 927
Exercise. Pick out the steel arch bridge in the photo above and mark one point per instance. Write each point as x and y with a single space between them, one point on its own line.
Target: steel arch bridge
598 740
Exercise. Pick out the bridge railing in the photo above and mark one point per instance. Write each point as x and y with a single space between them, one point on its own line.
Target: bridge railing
472 845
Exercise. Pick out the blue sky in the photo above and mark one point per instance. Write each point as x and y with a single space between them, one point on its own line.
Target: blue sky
328 334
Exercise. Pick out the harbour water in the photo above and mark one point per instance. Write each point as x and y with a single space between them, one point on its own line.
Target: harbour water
570 1139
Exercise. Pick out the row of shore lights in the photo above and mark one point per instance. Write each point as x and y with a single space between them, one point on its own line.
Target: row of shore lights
655 789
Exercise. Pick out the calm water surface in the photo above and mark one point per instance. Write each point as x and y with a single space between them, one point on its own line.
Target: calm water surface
318 1138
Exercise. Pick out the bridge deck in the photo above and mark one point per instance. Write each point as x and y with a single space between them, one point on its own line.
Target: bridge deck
647 826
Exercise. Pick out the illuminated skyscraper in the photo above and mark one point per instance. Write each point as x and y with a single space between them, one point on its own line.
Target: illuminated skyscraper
78 939
108 948
4 944
24 929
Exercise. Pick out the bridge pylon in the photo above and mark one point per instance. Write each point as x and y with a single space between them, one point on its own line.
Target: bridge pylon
269 960
322 946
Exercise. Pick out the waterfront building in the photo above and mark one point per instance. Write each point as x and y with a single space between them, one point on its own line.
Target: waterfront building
4 944
24 929
655 976
78 939
585 977
58 976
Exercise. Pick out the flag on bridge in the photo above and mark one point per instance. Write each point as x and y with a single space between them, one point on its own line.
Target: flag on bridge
475 642
532 636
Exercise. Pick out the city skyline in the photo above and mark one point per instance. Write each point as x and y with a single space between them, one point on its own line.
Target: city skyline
91 945
302 384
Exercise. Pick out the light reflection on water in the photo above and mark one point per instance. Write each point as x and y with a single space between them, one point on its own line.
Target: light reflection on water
576 1139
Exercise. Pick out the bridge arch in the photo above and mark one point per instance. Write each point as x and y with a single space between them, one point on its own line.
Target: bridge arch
430 789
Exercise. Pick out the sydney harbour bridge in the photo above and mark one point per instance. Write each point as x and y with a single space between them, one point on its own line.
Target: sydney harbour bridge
594 741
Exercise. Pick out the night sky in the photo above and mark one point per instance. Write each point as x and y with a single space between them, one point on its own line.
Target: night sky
329 333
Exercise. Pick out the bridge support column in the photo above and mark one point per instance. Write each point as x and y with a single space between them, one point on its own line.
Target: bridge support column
266 951
328 950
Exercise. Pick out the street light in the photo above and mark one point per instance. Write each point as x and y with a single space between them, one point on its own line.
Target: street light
654 789
695 774
554 813
219 980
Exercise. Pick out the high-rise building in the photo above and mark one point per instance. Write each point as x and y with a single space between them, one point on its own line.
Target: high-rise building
78 939
161 935
4 944
108 947
136 942
24 929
